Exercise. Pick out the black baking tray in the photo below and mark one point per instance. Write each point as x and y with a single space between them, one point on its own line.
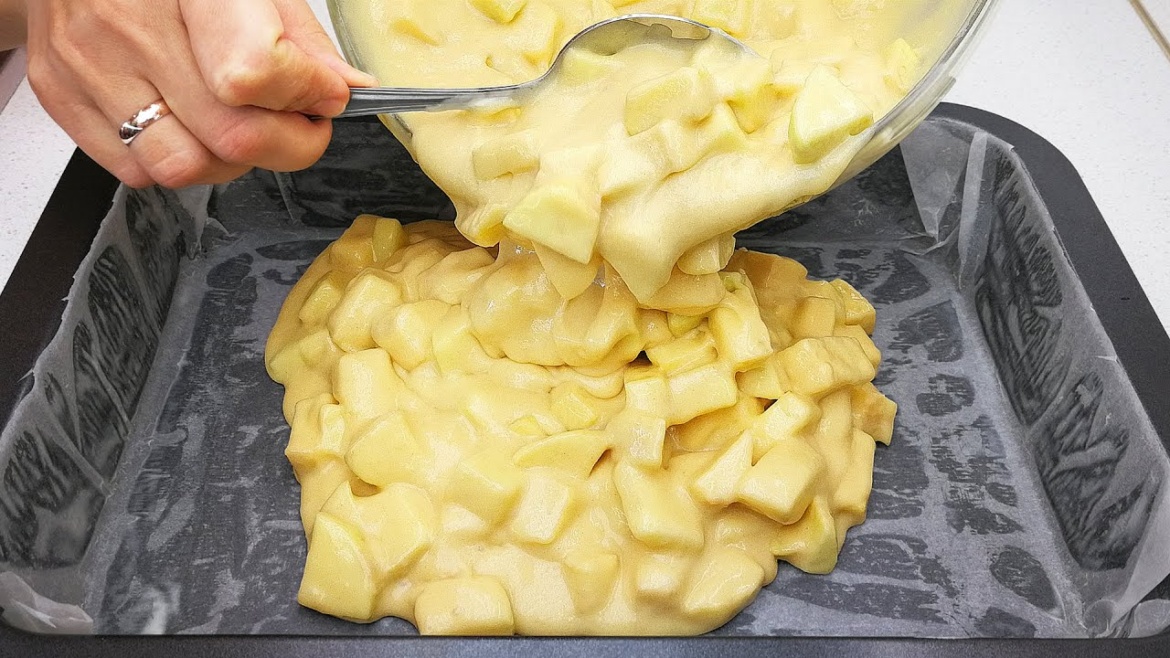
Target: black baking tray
30 313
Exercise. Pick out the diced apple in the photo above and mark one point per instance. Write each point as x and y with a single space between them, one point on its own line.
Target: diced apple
370 295
570 278
852 494
817 366
725 581
717 429
500 11
787 418
701 391
574 407
815 318
591 577
660 575
824 115
318 433
398 524
683 354
863 340
386 452
781 485
487 484
709 257
740 334
574 453
325 297
640 438
685 294
405 332
543 510
687 94
811 543
389 237
561 216
658 516
717 485
858 310
473 605
354 250
873 413
902 66
768 381
681 325
365 383
581 66
510 154
338 579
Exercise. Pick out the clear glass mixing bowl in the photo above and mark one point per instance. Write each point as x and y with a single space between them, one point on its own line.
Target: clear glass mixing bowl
944 31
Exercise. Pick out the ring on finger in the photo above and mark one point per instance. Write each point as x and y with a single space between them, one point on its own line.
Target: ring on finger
142 120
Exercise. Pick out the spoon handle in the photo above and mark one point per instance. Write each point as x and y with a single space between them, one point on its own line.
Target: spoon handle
390 100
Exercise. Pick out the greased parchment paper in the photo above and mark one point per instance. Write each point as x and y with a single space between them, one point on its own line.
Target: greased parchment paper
143 487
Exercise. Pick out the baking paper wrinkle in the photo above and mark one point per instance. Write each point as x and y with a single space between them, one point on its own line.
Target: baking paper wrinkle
143 482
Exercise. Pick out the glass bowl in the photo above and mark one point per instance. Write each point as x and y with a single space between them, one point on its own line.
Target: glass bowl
950 28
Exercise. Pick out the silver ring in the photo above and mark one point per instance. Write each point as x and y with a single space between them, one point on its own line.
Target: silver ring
142 120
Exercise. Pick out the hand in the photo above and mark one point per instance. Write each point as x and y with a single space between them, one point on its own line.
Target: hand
238 75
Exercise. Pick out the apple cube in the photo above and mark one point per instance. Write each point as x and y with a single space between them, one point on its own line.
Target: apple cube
873 413
368 297
687 94
405 332
640 437
338 579
815 318
574 453
709 257
683 354
863 340
318 433
811 543
487 484
787 418
658 516
543 510
561 216
387 452
508 154
500 11
591 577
366 384
781 485
724 582
660 575
717 485
325 297
701 391
472 605
818 366
824 115
858 310
581 66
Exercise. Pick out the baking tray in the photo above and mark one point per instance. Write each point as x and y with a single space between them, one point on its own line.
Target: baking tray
88 517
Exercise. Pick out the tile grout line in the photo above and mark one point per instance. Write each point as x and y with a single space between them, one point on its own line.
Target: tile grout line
1155 31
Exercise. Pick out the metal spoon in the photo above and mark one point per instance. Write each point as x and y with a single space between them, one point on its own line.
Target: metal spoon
609 36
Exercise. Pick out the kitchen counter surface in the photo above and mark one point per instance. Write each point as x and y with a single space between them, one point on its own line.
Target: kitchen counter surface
1092 80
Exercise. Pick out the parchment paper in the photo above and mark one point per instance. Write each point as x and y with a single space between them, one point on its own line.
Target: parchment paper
143 487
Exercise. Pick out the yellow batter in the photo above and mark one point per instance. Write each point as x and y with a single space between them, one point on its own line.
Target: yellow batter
602 419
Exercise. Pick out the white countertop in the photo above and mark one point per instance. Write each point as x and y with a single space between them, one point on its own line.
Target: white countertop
1087 76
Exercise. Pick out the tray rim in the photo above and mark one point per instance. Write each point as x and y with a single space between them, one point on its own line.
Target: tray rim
67 227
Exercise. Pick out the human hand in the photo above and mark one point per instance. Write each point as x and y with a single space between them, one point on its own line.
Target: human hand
239 77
